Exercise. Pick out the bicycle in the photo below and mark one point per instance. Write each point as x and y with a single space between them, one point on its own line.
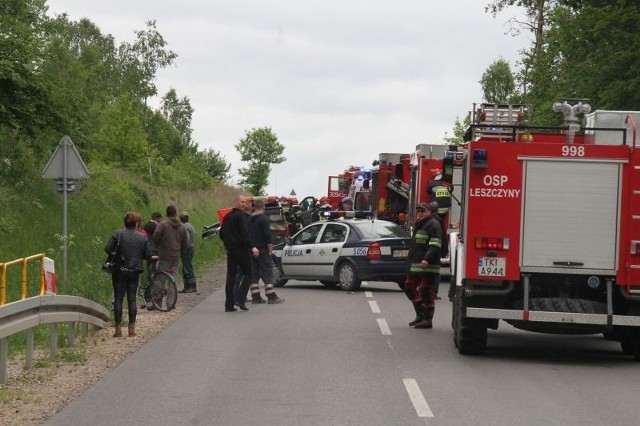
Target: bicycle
159 287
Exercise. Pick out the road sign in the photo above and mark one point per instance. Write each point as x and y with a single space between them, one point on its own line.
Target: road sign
75 167
71 186
66 167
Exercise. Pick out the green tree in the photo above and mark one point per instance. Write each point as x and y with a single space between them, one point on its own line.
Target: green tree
122 135
179 113
141 62
80 68
215 164
581 49
25 103
260 147
459 129
498 85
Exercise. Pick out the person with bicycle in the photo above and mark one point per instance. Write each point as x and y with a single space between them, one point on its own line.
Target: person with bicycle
150 228
172 241
131 248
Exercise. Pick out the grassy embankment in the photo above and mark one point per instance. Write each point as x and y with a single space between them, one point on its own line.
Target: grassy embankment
31 223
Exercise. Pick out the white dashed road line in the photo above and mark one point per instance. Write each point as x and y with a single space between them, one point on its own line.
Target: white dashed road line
419 403
384 327
415 394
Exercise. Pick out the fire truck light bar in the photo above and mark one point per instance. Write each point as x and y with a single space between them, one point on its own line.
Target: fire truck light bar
347 214
486 243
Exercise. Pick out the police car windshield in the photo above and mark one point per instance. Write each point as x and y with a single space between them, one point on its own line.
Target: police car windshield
380 229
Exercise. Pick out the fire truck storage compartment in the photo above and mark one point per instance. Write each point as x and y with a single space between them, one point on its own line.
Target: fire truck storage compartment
570 215
608 120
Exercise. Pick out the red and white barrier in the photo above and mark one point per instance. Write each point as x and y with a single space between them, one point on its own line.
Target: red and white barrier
51 286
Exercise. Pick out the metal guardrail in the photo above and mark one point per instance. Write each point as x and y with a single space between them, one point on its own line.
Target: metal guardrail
25 315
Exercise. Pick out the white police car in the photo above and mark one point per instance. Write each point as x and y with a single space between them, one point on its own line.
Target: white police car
344 250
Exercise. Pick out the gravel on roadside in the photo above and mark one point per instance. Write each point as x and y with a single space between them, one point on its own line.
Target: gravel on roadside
31 396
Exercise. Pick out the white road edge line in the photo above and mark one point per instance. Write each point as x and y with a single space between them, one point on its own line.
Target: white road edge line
364 283
418 400
374 306
384 327
368 294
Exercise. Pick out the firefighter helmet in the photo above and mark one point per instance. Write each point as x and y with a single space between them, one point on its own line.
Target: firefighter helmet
436 174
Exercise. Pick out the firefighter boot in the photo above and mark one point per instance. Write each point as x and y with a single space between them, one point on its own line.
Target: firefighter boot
427 322
419 315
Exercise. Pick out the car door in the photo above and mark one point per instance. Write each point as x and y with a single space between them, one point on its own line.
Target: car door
297 257
325 253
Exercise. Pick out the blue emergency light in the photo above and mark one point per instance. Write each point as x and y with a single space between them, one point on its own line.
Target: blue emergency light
341 214
480 158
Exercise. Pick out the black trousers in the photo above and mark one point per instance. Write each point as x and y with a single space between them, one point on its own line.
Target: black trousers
124 284
237 258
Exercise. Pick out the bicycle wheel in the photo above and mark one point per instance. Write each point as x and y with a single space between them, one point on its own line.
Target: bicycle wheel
163 291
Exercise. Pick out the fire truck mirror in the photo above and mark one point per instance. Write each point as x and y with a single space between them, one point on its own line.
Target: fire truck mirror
480 158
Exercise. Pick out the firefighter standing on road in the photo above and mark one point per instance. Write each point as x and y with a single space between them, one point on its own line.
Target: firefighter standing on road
424 271
439 190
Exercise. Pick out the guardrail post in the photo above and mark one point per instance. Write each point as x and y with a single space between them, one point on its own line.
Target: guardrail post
4 345
71 333
29 355
85 329
53 340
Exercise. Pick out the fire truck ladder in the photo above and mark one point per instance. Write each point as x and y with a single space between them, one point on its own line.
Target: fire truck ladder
399 187
498 120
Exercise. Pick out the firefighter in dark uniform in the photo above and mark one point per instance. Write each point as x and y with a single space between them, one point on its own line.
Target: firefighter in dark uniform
425 263
439 190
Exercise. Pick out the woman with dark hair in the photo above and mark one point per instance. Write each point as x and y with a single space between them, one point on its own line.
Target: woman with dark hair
131 248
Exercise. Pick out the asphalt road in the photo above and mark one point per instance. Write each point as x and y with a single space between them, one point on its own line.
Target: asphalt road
326 357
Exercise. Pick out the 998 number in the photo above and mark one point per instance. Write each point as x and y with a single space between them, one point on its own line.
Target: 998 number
572 151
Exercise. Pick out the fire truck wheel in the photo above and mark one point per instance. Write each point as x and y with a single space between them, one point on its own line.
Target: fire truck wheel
631 345
470 333
616 334
348 279
329 284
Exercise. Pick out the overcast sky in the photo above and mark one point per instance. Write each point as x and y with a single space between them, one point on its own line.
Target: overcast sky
338 81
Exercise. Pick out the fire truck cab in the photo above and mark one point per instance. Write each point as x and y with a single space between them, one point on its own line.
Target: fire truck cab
549 237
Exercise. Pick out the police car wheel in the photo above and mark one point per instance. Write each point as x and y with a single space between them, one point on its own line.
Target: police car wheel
348 279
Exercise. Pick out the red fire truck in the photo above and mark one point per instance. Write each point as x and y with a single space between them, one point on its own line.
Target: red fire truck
549 237
346 184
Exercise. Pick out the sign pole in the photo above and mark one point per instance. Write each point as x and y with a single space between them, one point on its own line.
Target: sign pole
65 167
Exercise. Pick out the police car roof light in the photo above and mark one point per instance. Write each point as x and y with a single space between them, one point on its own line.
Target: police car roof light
358 214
